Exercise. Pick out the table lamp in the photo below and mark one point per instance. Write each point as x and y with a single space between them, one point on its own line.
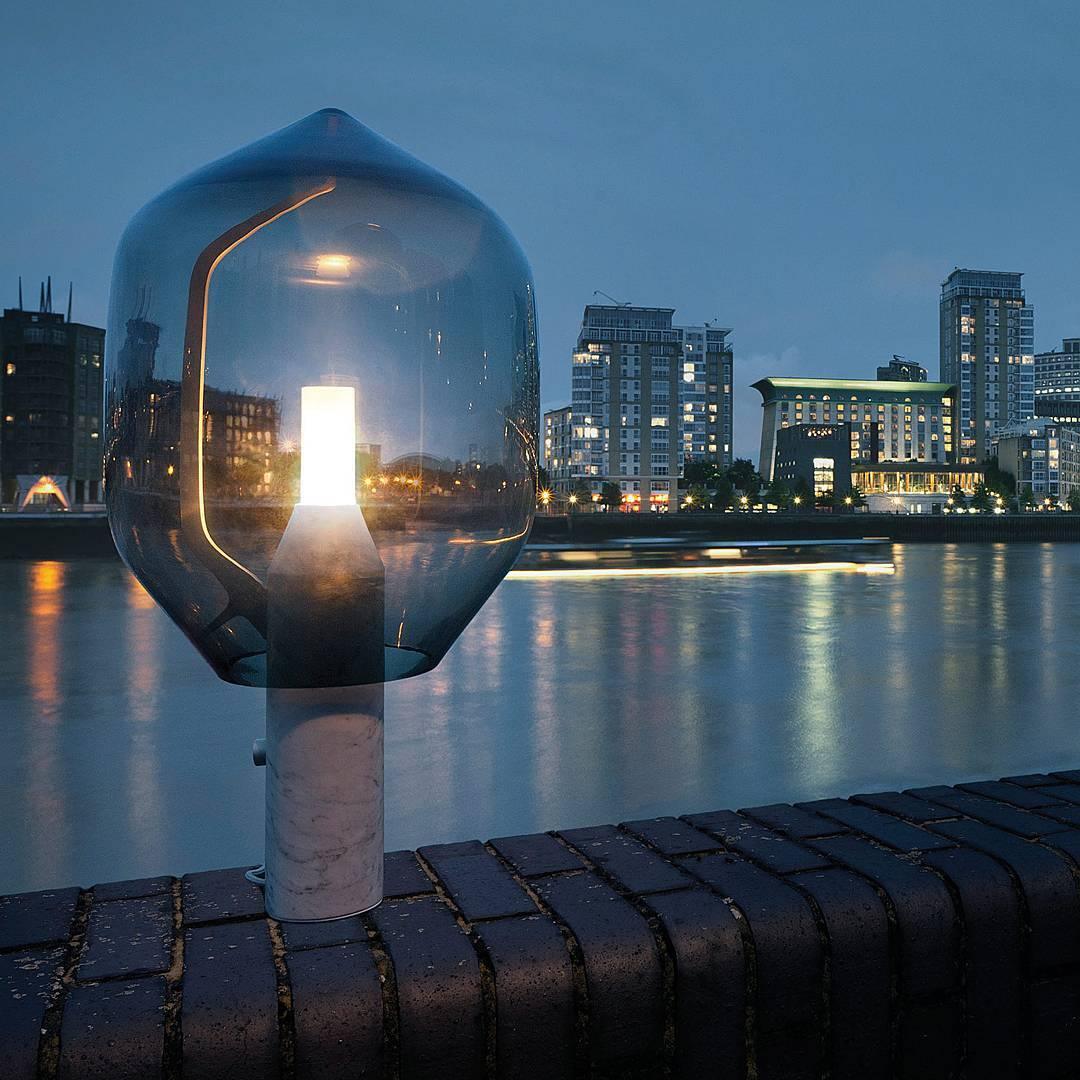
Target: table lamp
320 456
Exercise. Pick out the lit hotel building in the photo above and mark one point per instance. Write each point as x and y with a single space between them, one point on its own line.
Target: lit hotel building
647 397
987 336
894 421
829 459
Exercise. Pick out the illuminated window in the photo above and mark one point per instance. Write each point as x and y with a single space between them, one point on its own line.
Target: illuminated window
824 471
10 369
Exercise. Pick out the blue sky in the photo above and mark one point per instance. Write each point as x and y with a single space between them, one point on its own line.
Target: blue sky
805 173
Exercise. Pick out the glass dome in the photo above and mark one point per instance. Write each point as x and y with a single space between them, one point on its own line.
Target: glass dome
320 256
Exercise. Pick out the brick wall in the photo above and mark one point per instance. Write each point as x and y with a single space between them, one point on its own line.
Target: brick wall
930 933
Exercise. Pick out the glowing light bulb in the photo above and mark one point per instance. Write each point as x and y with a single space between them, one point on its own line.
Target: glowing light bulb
327 446
332 267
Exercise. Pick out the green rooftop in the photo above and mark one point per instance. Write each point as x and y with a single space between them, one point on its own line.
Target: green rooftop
880 385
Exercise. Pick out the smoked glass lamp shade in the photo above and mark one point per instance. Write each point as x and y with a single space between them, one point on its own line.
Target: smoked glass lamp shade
320 256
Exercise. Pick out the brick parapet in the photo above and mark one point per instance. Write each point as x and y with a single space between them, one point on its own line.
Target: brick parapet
933 932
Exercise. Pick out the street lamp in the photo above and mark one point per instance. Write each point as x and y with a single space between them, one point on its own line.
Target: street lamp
321 453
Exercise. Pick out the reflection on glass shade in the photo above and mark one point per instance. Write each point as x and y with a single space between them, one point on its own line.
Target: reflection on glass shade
320 256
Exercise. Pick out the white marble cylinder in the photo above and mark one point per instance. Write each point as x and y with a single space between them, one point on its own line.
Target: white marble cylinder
324 802
324 718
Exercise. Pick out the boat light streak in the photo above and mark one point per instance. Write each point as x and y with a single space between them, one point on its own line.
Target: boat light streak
684 571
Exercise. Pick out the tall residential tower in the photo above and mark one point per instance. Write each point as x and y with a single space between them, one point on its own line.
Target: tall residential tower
987 339
648 397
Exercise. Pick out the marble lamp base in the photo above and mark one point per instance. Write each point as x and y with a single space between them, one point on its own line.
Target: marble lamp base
324 718
324 802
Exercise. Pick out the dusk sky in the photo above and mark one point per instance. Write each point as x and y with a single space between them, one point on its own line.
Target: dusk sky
804 173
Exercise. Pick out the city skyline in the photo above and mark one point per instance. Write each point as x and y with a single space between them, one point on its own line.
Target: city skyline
810 180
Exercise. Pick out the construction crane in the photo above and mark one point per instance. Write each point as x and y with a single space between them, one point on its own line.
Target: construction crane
608 296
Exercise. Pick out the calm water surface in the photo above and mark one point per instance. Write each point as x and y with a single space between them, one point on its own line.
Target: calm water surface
565 703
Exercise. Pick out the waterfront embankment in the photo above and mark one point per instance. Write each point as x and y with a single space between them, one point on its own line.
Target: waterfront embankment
63 536
930 933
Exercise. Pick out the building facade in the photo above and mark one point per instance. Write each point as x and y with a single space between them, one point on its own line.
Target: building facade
896 421
987 335
647 397
1043 455
1057 374
51 404
817 457
557 430
823 458
899 369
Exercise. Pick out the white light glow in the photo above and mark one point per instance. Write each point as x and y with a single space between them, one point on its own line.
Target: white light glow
686 571
327 446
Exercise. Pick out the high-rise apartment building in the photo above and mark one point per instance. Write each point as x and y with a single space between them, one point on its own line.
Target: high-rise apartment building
51 394
647 397
987 337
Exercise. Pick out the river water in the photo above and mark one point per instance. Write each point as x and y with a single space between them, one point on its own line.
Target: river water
566 702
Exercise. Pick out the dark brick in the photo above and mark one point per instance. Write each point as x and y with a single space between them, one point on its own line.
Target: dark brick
672 836
859 971
752 839
1066 813
925 919
27 979
929 1043
36 918
1022 822
794 822
1025 798
113 1031
629 861
220 894
992 958
788 961
478 883
129 890
878 826
438 989
229 1015
622 969
534 997
1048 885
322 935
710 982
1068 843
906 806
535 854
1070 793
337 1011
128 938
1029 780
1054 1009
403 876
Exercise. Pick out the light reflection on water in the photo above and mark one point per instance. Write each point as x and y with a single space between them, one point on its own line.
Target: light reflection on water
565 703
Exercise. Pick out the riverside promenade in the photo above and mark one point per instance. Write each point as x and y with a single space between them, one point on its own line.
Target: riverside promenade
929 933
